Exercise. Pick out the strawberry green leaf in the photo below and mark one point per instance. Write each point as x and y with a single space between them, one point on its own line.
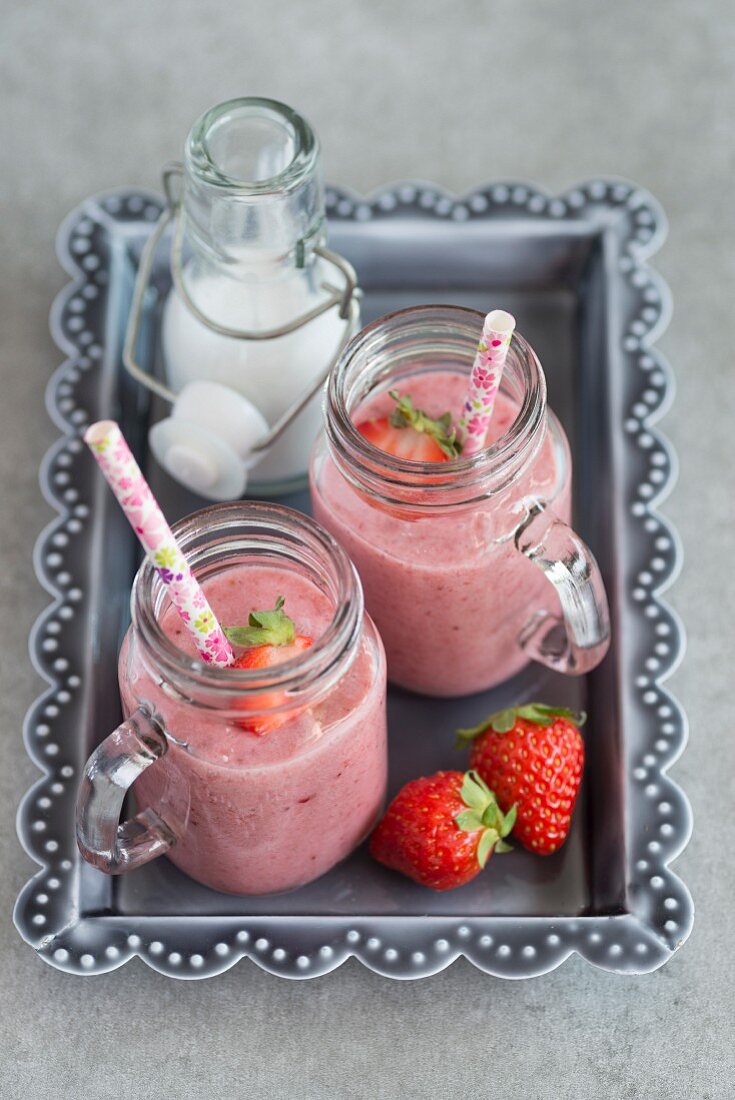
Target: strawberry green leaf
469 821
509 820
492 816
501 846
501 722
540 714
464 738
475 793
264 628
504 720
488 844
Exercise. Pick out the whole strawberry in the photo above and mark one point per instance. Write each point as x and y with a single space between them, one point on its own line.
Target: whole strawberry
532 757
441 830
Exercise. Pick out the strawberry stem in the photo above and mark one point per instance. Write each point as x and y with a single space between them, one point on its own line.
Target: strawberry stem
483 813
405 415
503 721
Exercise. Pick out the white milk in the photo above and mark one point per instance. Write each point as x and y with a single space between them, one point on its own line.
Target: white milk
270 373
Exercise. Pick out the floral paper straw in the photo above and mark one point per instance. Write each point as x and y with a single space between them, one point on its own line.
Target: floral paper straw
123 475
485 376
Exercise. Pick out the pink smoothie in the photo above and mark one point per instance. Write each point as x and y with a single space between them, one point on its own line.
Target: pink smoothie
449 592
264 814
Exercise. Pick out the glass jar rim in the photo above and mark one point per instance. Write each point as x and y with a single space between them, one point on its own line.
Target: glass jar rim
200 160
464 479
310 669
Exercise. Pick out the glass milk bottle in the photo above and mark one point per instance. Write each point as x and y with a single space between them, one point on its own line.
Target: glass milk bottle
256 302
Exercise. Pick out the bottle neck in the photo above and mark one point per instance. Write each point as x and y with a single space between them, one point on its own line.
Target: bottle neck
248 533
253 196
414 342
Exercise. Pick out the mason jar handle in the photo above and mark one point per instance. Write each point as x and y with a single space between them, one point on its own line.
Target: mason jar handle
578 640
112 845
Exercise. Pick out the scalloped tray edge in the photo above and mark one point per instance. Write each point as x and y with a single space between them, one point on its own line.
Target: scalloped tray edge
444 939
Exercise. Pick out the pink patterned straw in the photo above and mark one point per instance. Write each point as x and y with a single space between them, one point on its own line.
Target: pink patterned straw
123 475
485 376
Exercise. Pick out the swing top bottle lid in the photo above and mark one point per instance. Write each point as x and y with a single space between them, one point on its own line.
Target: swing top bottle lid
252 180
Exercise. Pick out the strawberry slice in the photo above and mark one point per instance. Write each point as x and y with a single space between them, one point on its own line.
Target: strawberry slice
410 433
270 639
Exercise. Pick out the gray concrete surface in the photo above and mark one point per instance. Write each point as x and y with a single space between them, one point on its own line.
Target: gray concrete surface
95 95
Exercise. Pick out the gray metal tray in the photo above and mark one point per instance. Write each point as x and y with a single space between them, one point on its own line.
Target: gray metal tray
572 270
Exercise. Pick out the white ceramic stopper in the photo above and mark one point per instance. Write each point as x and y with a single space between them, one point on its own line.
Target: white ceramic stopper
206 444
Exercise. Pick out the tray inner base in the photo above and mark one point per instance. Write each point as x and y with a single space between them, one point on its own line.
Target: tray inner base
558 299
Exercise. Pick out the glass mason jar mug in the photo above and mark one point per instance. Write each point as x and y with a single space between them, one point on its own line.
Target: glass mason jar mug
456 558
251 781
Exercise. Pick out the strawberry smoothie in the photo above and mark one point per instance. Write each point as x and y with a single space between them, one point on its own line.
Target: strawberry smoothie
449 592
265 813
